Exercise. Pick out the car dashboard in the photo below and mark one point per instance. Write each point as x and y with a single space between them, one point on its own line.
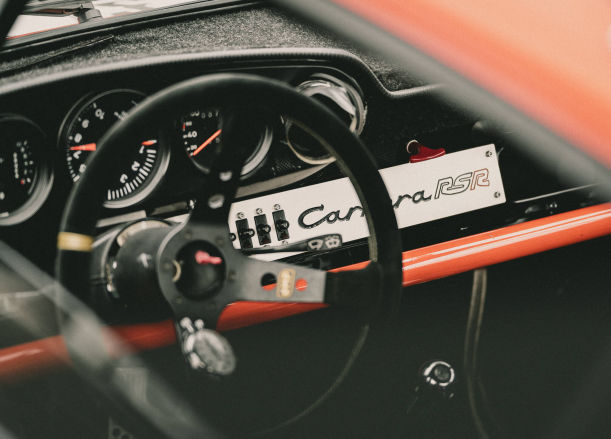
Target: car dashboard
61 109
451 174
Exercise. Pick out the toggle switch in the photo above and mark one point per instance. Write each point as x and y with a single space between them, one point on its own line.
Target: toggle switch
245 233
263 229
420 153
282 225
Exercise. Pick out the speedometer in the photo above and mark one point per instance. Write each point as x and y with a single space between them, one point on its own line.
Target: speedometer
138 169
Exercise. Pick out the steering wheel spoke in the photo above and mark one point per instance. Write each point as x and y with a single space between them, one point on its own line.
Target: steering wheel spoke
221 183
262 281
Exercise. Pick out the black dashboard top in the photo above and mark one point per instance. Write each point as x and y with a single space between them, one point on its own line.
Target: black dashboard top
210 32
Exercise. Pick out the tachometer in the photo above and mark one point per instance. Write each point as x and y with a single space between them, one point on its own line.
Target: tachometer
139 168
201 130
25 172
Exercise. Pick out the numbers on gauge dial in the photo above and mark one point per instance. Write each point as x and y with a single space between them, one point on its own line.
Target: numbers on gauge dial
200 131
18 170
136 165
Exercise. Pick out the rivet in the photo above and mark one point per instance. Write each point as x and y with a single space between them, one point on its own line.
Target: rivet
277 207
241 215
488 153
259 211
497 194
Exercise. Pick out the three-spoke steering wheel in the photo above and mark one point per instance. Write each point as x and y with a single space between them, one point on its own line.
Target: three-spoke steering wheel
213 273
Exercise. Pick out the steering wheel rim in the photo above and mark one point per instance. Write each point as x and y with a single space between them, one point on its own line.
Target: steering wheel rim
85 202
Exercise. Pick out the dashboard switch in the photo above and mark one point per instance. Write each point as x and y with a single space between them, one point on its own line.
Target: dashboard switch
420 153
263 229
245 233
282 225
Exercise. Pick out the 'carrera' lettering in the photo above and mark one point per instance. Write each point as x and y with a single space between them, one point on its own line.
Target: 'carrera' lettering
329 218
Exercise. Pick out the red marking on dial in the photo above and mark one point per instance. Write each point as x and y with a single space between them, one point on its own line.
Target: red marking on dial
85 147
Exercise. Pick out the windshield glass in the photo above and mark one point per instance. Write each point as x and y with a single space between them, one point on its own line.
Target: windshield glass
28 24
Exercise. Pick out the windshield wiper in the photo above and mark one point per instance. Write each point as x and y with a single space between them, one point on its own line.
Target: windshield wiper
83 11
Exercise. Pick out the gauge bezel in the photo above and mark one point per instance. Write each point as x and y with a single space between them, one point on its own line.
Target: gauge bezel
43 181
158 172
351 89
254 162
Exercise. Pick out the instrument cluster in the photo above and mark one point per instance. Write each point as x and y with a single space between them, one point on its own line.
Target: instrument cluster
28 158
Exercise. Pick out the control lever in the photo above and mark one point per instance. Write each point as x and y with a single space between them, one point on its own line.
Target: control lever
318 243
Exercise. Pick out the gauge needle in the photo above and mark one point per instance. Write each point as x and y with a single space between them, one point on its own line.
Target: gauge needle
209 140
86 147
93 146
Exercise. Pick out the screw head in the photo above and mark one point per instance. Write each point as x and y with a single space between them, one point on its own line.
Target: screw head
259 211
497 194
277 207
241 215
488 153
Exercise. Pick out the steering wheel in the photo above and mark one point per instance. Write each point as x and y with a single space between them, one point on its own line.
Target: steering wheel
212 273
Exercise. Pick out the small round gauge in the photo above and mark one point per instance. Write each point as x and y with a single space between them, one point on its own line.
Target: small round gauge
342 98
139 169
201 131
25 173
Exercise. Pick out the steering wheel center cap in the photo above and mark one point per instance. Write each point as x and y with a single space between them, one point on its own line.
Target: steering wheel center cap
200 270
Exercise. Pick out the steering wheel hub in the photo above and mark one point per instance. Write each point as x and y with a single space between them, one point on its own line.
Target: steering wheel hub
201 270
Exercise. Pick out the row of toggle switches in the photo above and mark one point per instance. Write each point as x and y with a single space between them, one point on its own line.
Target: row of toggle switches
262 229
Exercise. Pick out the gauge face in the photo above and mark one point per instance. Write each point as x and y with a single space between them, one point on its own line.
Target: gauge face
201 132
17 172
23 169
139 166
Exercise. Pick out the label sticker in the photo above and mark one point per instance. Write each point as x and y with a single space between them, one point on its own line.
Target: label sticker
286 283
